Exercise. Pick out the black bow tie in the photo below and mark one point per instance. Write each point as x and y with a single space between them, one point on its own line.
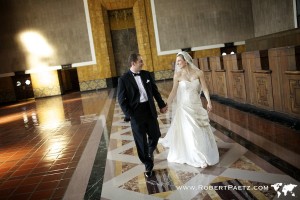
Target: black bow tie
136 74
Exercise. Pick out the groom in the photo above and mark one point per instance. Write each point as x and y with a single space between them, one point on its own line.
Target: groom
136 90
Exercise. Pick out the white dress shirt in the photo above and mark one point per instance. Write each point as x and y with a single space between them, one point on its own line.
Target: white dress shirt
143 93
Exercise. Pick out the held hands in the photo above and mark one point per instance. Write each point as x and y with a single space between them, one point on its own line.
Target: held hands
164 109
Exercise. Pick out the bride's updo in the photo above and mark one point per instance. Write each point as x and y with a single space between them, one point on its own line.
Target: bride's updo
186 56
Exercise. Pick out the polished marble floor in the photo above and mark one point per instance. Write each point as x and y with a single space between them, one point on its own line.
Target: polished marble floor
77 146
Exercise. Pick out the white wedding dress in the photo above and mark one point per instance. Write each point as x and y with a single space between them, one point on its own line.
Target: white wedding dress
190 138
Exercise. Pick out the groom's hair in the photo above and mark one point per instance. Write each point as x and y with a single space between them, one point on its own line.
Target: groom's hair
133 58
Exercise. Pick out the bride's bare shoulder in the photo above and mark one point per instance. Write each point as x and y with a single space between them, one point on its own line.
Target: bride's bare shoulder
177 74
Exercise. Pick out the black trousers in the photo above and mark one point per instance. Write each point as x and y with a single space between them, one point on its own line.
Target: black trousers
143 124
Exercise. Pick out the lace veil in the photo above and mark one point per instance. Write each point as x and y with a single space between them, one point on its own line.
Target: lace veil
188 59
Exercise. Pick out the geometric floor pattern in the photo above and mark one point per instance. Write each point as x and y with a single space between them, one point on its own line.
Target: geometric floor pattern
240 174
77 146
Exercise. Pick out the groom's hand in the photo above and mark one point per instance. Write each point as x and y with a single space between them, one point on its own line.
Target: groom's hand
164 109
126 119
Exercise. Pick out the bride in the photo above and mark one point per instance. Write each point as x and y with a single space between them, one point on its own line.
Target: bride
190 138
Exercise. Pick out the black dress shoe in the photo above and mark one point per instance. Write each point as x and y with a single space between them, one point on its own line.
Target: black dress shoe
151 156
127 119
148 174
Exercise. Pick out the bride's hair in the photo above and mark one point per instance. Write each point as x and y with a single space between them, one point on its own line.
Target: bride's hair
186 56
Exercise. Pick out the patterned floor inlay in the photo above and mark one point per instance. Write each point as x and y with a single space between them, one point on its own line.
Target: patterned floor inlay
130 151
222 151
162 181
232 193
246 164
236 176
126 166
229 188
125 141
127 133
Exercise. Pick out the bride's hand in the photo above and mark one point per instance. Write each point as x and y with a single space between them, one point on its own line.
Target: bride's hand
209 107
164 109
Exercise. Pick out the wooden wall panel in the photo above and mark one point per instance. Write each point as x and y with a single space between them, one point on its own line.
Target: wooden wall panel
209 81
258 79
292 93
238 86
218 76
221 85
268 79
204 66
228 67
235 78
280 60
196 62
249 60
263 88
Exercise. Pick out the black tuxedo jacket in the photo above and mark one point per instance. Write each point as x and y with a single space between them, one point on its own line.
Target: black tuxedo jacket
129 94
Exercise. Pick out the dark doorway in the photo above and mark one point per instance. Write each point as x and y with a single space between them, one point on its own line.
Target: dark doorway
68 80
124 43
23 86
124 38
228 49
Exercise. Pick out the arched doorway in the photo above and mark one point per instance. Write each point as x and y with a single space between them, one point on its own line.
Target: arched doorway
68 80
124 38
22 86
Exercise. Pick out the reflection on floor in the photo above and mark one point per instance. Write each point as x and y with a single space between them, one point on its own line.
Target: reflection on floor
44 142
77 146
238 168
